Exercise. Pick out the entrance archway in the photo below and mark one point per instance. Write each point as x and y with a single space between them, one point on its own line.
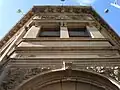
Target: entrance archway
68 80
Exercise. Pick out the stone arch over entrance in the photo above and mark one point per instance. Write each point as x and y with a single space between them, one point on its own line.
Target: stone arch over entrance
68 80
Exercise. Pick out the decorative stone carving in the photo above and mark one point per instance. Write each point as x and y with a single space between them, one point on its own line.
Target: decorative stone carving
105 26
49 17
113 72
62 17
62 9
67 65
46 10
17 75
66 17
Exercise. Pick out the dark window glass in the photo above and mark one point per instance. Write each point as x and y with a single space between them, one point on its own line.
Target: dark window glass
78 32
49 32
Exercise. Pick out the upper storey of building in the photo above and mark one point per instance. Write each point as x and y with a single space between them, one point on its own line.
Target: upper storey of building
59 26
79 21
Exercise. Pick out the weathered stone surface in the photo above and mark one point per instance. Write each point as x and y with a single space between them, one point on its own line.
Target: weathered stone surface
34 59
16 76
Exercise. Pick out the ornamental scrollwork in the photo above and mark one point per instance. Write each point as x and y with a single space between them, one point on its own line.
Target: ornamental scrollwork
112 72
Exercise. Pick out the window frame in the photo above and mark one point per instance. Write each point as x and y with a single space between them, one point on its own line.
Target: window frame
83 29
48 31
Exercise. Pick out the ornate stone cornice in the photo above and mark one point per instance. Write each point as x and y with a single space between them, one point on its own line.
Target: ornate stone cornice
16 28
20 78
62 9
103 24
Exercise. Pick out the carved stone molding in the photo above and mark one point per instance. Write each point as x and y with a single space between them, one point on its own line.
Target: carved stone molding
112 72
16 28
101 24
67 75
61 9
63 17
18 75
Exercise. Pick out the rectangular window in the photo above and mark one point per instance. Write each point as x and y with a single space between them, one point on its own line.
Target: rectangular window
78 32
49 32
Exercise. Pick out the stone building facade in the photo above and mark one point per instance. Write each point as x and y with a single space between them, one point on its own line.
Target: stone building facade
60 48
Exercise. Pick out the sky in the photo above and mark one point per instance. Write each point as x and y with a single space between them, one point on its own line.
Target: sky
9 16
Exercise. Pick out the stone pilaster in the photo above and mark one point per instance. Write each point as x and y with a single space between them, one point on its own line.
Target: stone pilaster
32 32
94 32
